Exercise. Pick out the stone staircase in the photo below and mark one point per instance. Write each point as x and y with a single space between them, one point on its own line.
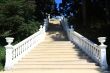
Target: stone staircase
56 55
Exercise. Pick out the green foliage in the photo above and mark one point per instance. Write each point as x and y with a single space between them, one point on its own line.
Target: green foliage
29 11
17 16
2 57
29 28
44 7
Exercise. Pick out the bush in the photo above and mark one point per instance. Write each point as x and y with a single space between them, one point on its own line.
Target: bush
2 57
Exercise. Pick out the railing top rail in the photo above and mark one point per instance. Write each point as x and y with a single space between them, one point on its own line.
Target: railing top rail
23 41
84 39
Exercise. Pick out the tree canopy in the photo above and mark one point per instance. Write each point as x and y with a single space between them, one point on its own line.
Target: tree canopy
44 7
21 18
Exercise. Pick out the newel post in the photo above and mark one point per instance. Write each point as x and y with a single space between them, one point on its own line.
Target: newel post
102 47
9 49
42 32
40 27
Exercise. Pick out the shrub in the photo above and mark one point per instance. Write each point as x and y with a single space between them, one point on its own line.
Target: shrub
2 58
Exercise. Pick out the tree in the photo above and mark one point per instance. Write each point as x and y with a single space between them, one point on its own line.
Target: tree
55 10
17 19
44 7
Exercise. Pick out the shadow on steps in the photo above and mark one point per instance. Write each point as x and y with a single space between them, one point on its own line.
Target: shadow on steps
55 32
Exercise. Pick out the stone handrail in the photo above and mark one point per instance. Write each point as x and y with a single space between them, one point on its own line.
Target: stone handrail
16 52
96 52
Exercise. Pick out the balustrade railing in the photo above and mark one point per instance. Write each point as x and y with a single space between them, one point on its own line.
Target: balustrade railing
94 51
16 52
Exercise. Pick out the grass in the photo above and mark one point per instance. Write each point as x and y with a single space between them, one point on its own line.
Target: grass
2 57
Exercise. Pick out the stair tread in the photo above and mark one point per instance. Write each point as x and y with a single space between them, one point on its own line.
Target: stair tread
52 49
44 53
56 55
56 66
55 52
55 47
57 63
79 70
53 59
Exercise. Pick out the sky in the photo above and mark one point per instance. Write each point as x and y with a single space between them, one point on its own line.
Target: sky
58 1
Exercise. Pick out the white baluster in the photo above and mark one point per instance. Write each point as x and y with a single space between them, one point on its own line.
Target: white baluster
102 47
9 49
70 33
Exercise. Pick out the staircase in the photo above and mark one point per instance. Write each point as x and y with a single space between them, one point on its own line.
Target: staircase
56 55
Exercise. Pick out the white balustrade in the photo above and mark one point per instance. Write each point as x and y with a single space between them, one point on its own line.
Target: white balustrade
96 52
14 53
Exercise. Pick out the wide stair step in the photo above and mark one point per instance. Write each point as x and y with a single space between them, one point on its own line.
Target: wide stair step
58 66
56 63
55 71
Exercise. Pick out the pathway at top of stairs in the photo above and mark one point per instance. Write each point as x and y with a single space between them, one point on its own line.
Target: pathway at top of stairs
56 55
